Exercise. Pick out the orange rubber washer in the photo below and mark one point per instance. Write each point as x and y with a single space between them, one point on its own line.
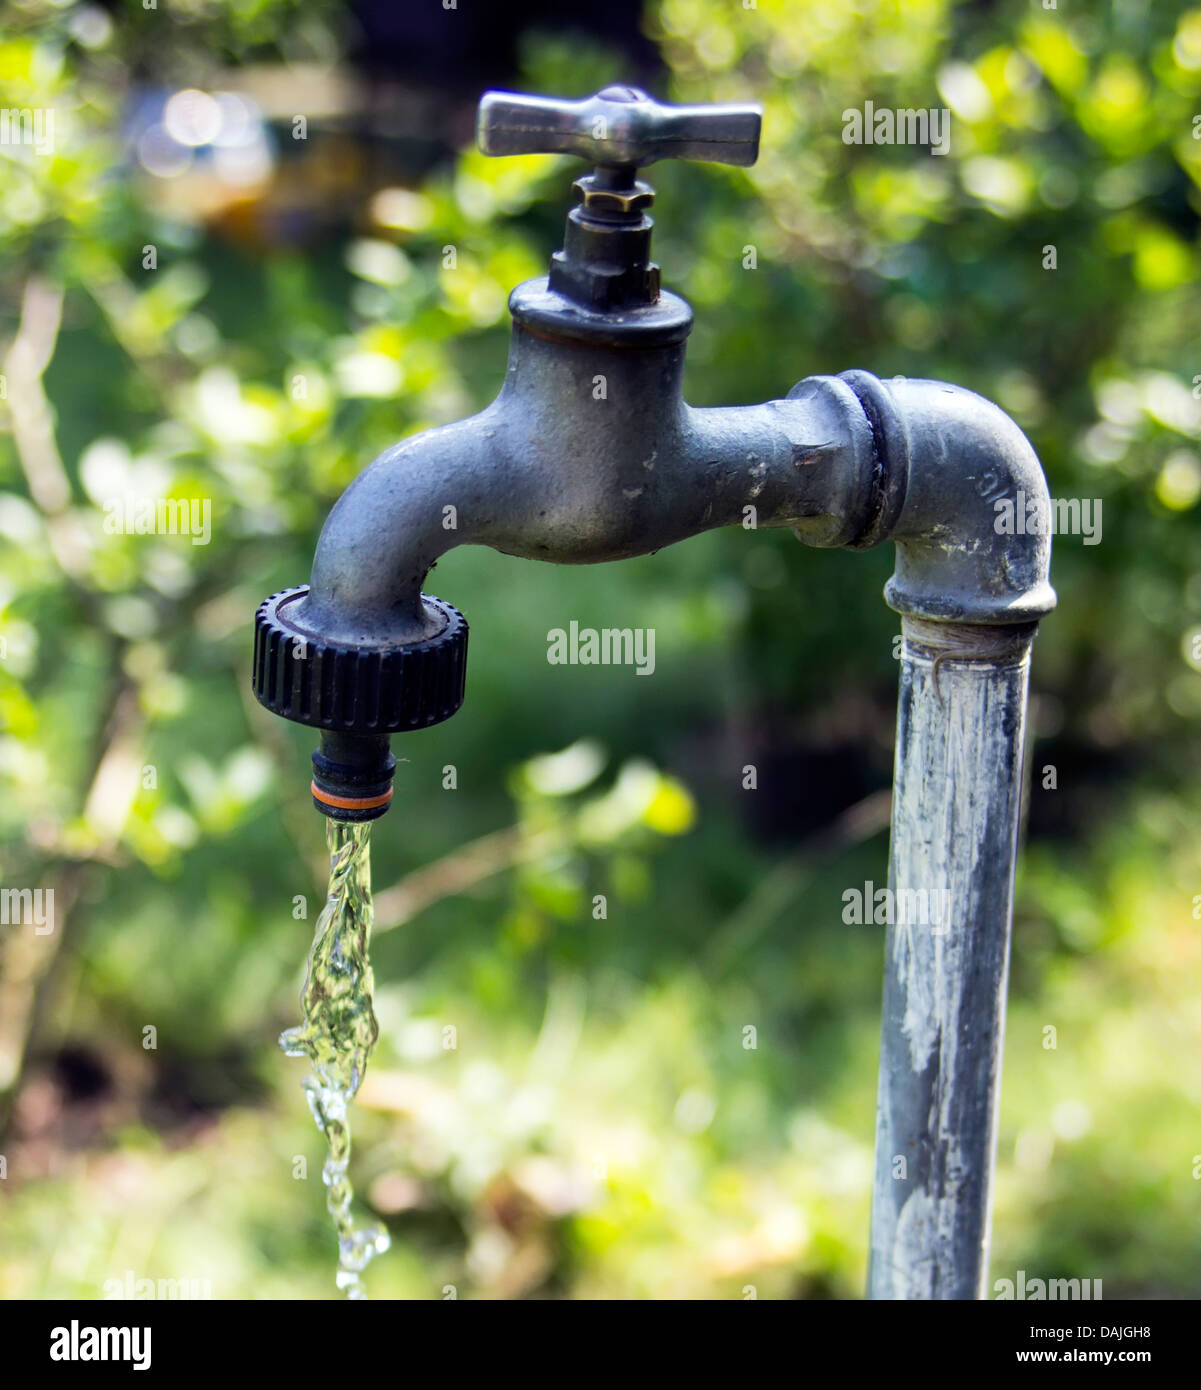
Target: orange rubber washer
351 803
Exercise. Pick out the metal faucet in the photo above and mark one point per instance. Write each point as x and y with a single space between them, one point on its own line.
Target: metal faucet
589 453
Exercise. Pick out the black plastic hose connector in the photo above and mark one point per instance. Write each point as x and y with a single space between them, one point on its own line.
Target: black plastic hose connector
357 695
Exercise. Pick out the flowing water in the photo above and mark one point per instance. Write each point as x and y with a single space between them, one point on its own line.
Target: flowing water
338 1033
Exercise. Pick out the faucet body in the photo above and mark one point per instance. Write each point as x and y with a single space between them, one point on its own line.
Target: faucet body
590 454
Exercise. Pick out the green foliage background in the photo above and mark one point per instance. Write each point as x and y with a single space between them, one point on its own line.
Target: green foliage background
601 1129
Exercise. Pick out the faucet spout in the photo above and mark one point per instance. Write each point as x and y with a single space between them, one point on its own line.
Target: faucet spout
417 500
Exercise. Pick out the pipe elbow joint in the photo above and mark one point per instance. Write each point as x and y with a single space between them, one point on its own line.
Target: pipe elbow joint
965 483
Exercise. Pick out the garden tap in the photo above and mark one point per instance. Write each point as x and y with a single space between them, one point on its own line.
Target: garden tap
589 453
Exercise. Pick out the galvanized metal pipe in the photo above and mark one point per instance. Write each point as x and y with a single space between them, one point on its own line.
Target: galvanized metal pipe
970 595
956 800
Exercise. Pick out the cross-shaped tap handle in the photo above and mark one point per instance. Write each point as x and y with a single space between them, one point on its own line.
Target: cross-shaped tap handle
620 126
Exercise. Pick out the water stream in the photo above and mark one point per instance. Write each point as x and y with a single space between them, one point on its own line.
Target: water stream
338 1033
